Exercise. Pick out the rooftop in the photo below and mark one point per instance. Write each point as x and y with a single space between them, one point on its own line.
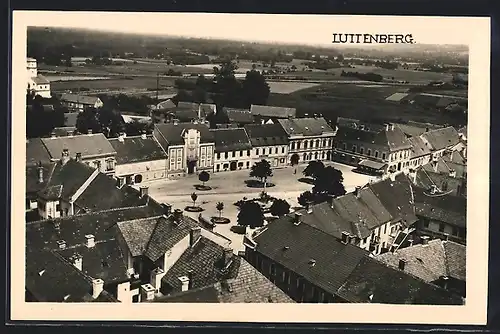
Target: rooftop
441 207
36 152
266 134
239 116
231 139
76 98
441 138
171 133
137 149
90 146
272 111
306 126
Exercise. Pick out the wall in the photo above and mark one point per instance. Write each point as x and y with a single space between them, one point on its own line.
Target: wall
175 253
242 159
101 163
150 170
178 158
123 293
439 229
298 145
48 209
420 161
277 155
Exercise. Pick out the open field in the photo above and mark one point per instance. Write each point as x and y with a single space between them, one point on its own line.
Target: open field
288 87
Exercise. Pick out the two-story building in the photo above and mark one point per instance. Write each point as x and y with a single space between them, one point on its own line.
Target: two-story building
232 149
316 267
420 153
139 159
190 147
269 142
441 140
78 103
375 148
92 149
37 83
309 138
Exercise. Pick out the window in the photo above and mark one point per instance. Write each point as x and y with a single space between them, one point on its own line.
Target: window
58 207
275 150
217 167
226 155
257 151
298 145
344 146
110 165
324 142
273 269
376 154
248 153
362 150
329 142
305 145
441 227
292 146
383 155
241 153
218 156
316 143
354 148
248 164
369 152
225 166
97 164
283 149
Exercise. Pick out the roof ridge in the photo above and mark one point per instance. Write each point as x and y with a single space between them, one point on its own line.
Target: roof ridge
69 264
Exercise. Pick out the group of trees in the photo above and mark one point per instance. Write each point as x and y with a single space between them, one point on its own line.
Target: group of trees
105 120
327 183
370 76
42 115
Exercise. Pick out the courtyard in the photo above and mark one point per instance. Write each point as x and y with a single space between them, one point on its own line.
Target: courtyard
229 187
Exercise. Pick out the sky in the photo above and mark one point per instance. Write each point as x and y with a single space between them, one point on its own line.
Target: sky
290 29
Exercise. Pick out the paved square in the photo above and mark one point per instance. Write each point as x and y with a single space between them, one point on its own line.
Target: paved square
229 187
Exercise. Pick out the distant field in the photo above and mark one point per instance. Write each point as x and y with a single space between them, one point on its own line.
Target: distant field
122 84
55 78
288 87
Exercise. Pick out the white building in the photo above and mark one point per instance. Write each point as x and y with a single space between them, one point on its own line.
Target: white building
37 83
232 149
270 142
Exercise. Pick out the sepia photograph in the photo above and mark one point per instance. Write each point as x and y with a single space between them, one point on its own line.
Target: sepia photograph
314 162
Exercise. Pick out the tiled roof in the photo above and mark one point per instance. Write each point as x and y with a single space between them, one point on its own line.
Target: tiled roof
167 104
70 118
231 139
188 105
305 126
239 116
418 147
455 157
136 149
272 111
455 260
44 234
64 131
249 286
334 260
36 152
445 167
206 263
396 197
171 134
396 97
430 262
266 134
32 176
393 139
83 99
103 194
65 180
374 282
441 207
51 278
166 234
40 80
137 233
184 115
441 138
93 145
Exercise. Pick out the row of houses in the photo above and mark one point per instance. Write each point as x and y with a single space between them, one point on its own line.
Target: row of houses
176 149
387 242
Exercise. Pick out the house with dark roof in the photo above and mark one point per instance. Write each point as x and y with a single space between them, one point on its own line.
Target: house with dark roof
240 117
270 114
232 149
78 103
447 174
139 159
63 131
313 266
420 153
441 140
372 147
309 138
91 149
270 142
36 152
435 261
91 258
190 147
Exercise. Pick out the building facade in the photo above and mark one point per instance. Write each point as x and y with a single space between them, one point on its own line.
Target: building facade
37 83
269 142
232 149
76 102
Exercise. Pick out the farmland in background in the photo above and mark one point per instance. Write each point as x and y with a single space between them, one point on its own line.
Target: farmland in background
281 87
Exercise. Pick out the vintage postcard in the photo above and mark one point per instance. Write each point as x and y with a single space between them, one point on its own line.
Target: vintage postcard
249 168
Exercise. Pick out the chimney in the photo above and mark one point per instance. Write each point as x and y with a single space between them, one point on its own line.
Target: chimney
190 277
453 173
40 172
425 240
194 235
167 209
155 278
185 283
402 264
177 215
446 236
387 127
77 261
53 134
227 256
345 237
309 209
65 156
120 182
392 126
143 191
89 131
143 135
121 138
427 129
69 133
97 287
296 218
147 292
61 244
357 191
90 240
410 241
78 157
445 282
